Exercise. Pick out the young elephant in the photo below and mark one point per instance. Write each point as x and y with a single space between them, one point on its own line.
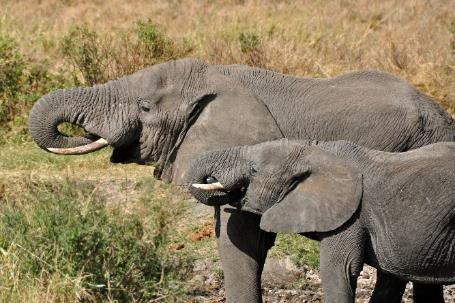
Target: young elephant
394 211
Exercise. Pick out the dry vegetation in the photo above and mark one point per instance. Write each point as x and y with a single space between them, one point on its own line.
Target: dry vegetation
47 44
82 230
66 43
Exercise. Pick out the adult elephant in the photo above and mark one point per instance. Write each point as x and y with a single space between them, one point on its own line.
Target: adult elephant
168 113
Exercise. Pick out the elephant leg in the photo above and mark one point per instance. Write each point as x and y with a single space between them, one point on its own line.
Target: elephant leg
243 247
433 293
388 288
341 262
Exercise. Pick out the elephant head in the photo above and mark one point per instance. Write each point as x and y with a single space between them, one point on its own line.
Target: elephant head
145 116
297 187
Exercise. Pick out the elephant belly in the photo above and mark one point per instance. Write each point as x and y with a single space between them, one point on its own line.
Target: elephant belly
429 259
414 232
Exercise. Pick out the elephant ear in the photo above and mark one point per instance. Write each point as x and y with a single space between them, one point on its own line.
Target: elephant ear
230 115
323 201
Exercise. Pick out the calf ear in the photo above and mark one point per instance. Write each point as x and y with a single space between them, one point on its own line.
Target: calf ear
321 202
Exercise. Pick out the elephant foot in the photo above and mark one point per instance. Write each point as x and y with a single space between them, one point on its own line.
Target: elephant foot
388 288
424 293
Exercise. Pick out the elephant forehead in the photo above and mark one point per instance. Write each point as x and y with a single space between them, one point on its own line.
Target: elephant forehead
276 155
145 80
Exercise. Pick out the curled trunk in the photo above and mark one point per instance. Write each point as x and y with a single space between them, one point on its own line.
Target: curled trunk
103 111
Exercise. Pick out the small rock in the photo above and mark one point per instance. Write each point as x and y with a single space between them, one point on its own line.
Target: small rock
178 246
198 279
280 272
199 265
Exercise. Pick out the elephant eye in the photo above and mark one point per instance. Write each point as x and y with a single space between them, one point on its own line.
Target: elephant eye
210 180
253 170
144 106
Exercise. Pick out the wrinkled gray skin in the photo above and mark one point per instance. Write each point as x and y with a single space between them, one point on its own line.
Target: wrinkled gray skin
394 211
170 112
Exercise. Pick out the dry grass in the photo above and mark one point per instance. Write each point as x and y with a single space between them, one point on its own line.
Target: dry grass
312 38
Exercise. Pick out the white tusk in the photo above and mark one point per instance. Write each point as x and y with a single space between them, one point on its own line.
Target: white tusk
80 150
212 186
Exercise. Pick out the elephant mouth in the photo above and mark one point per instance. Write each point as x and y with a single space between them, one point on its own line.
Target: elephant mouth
215 195
238 197
123 154
127 154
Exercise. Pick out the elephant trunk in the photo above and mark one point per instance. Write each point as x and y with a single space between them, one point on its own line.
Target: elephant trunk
219 177
101 110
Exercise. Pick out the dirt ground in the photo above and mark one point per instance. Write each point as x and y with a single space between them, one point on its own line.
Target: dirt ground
283 282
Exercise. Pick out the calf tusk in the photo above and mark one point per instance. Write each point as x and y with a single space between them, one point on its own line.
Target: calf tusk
212 186
80 150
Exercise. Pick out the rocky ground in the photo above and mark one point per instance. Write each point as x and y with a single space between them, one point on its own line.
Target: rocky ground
284 282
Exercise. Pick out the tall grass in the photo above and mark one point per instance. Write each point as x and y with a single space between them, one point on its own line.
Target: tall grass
60 239
91 58
98 58
22 82
50 44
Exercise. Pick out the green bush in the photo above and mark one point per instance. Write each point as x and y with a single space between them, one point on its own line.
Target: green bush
85 50
63 227
12 67
21 84
93 58
301 249
250 46
249 41
11 72
99 58
151 46
153 39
